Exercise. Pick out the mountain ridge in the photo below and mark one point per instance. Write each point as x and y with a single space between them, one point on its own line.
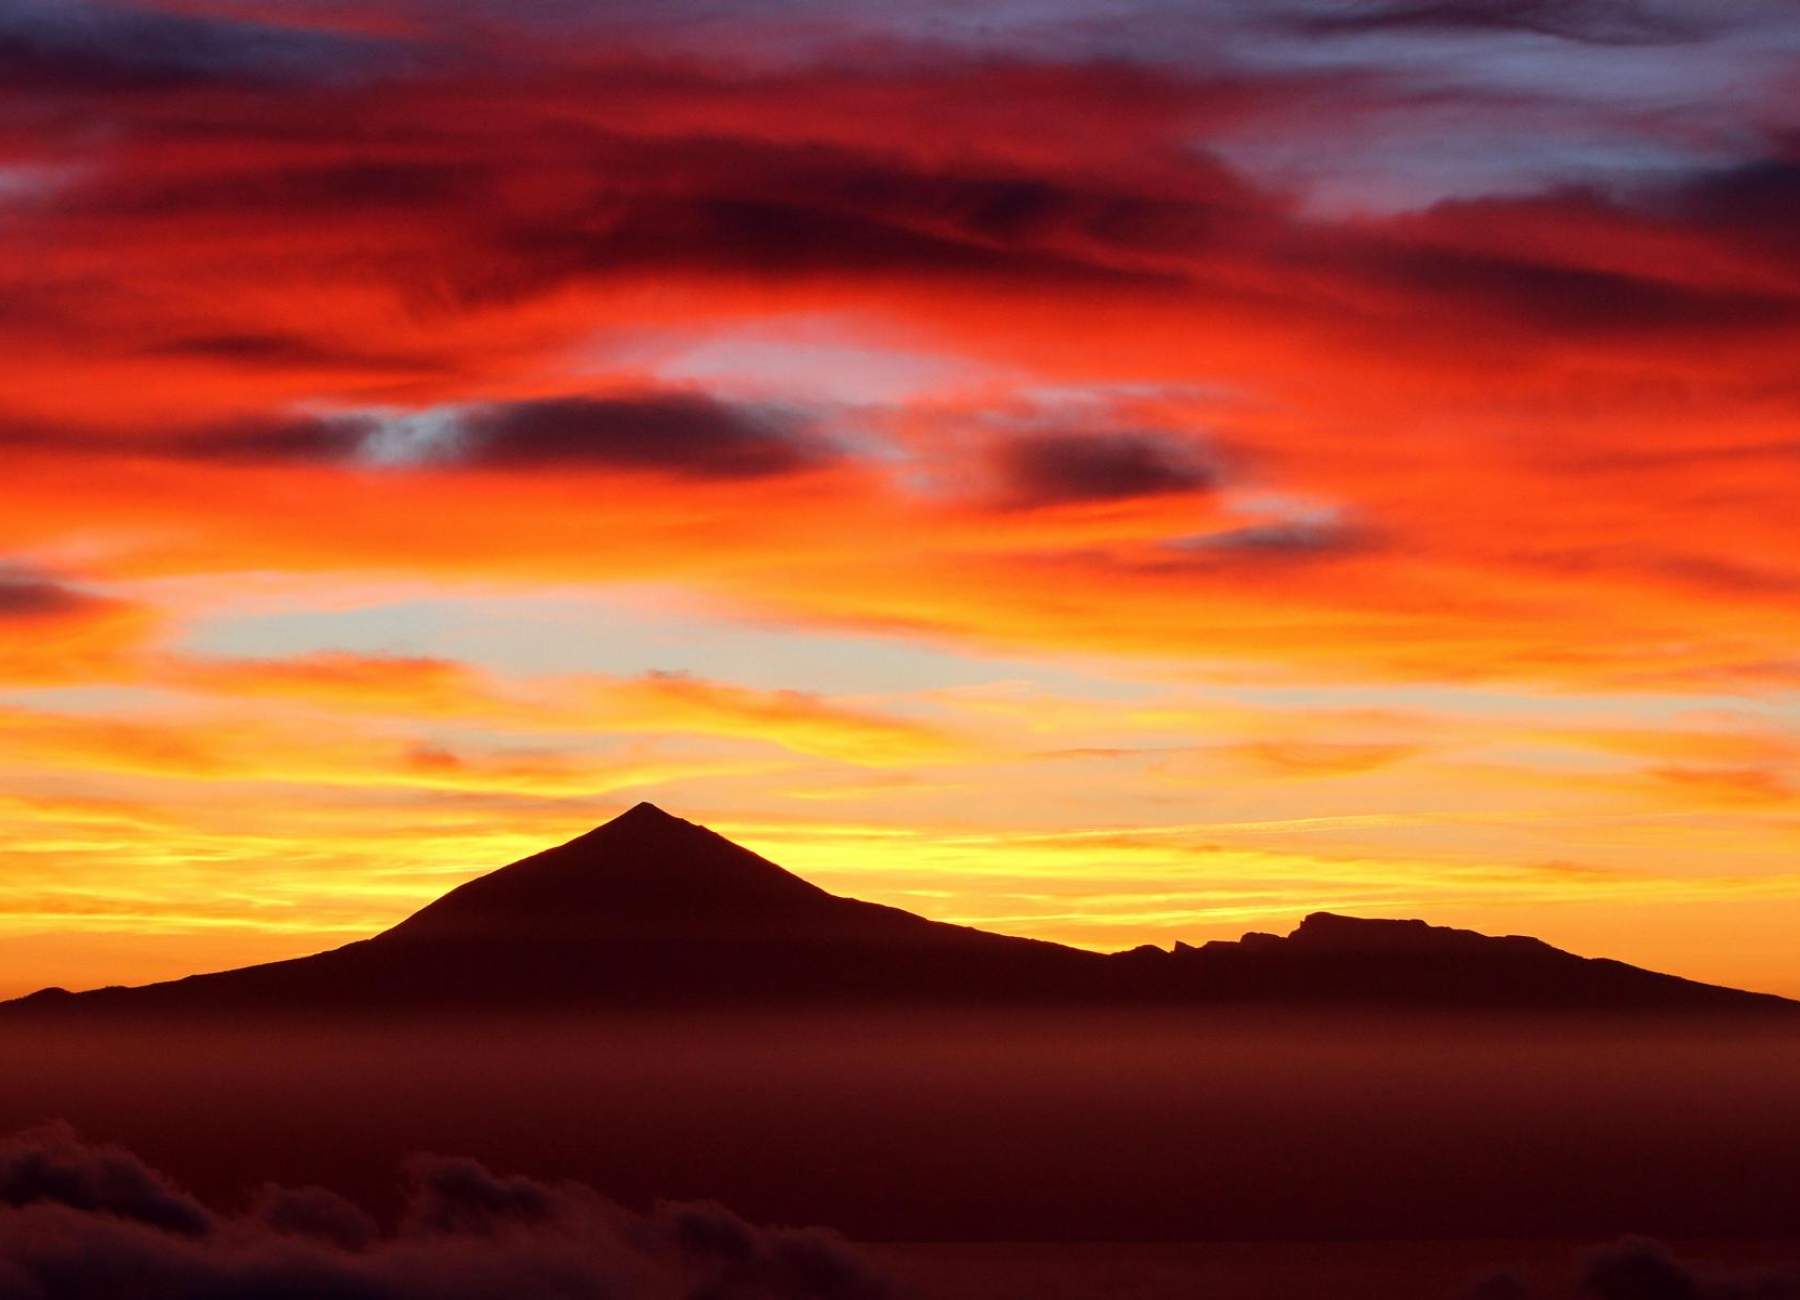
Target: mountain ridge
649 909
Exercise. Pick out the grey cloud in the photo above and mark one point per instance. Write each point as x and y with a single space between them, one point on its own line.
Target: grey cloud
1589 22
687 434
1298 538
71 45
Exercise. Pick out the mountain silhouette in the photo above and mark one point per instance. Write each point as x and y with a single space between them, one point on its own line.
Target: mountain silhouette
649 910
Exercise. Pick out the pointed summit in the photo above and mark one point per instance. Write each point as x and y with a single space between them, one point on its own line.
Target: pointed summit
645 813
645 874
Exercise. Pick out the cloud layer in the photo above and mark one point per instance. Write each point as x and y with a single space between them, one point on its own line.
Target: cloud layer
79 1221
339 271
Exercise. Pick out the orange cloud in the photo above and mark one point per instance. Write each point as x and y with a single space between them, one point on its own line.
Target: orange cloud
1756 786
224 749
1320 758
327 302
656 703
52 633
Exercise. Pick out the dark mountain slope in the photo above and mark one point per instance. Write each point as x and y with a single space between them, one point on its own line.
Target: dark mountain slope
1348 959
645 910
649 910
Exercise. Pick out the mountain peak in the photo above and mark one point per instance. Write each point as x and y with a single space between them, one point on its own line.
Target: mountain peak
649 908
642 823
643 819
645 813
642 874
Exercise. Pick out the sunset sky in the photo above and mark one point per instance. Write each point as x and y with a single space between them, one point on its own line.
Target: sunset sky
1114 472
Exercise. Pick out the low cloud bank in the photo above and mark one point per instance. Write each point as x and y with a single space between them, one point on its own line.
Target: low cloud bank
1638 1268
80 1221
83 1221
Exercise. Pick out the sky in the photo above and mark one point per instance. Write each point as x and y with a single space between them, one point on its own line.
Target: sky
1115 472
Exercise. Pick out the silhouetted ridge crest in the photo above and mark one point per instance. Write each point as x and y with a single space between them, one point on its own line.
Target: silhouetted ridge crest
651 910
1328 931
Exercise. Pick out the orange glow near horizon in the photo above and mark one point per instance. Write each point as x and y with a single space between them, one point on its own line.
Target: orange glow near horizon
1108 499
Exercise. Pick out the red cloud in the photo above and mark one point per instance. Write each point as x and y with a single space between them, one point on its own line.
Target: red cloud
1548 435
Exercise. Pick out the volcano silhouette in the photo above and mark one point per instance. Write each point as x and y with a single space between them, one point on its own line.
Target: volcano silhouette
649 910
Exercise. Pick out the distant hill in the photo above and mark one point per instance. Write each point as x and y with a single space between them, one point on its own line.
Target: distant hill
649 910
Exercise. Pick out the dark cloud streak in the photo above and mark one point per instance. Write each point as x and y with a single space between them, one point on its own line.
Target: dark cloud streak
70 46
686 434
28 596
1061 468
678 433
1587 22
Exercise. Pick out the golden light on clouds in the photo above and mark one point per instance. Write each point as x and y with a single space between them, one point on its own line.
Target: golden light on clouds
1116 500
